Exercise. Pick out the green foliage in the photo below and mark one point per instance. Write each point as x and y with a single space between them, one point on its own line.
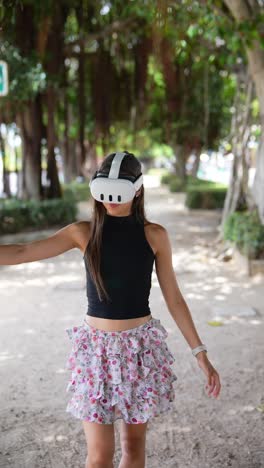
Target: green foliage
205 196
191 184
177 185
246 231
76 190
26 74
17 215
207 45
167 177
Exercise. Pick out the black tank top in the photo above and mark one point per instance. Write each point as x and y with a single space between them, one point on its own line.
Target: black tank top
126 268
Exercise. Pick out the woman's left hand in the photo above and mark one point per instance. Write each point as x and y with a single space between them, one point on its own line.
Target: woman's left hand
213 380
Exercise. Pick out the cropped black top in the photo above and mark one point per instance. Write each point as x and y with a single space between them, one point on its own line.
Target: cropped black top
126 268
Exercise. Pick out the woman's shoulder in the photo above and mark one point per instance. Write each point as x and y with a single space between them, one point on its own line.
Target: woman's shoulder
155 227
155 234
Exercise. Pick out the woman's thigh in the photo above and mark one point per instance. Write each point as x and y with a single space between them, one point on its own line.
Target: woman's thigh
100 439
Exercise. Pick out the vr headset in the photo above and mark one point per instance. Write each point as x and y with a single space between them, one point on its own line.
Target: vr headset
112 189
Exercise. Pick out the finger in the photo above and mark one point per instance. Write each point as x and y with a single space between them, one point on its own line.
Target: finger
212 385
208 385
218 385
209 380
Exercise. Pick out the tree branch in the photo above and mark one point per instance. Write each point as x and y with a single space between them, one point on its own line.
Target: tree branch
86 39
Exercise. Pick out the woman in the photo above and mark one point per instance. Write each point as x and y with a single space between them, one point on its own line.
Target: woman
120 362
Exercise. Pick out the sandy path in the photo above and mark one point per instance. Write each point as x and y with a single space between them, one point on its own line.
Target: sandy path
40 299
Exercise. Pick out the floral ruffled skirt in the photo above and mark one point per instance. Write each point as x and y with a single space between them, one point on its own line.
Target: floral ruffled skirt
122 374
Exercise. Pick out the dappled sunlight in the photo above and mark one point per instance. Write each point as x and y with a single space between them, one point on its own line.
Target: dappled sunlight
236 319
47 265
5 356
207 287
55 438
7 320
201 228
243 409
226 289
218 297
176 428
61 371
194 296
246 408
29 331
66 318
220 279
53 280
257 279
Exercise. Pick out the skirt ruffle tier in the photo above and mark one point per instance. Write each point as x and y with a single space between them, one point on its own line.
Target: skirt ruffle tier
125 374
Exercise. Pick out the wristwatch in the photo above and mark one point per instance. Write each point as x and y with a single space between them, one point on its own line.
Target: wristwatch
196 350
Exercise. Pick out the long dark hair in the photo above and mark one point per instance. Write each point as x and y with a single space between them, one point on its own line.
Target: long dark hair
130 166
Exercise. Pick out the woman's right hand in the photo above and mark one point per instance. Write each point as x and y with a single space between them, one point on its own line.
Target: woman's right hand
213 380
71 236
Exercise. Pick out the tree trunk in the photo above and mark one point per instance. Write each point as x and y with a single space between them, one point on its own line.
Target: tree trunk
54 189
91 163
53 64
242 10
6 179
172 76
196 164
141 54
81 92
30 122
64 147
238 196
180 161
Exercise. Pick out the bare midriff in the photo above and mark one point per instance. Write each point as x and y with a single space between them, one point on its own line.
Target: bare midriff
116 325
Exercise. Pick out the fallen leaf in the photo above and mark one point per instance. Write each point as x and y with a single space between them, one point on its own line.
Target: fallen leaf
260 408
215 323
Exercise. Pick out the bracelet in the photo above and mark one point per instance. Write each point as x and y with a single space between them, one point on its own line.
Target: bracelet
196 350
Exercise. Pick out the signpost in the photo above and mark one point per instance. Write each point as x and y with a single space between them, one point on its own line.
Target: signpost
3 78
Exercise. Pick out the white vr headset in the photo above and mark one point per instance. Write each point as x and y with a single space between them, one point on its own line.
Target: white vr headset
112 189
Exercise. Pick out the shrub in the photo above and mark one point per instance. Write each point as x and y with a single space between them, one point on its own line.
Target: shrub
166 178
204 197
244 228
177 185
174 181
80 191
17 215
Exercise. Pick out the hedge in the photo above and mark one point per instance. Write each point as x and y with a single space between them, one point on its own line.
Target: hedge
17 215
205 197
246 231
80 191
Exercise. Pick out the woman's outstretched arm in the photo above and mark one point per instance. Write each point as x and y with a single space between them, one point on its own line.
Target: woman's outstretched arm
67 238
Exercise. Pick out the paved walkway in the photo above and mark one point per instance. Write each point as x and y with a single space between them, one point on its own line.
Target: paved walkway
40 299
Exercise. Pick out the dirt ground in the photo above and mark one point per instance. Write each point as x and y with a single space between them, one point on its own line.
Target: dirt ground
39 300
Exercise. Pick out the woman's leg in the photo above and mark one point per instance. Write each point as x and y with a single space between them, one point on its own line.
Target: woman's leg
133 444
100 440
